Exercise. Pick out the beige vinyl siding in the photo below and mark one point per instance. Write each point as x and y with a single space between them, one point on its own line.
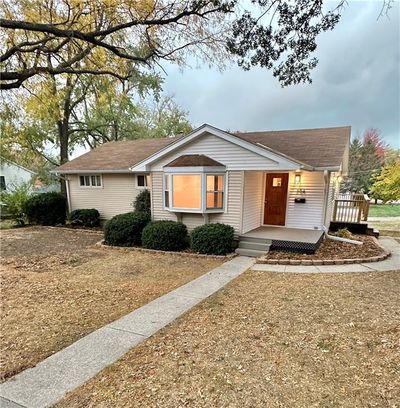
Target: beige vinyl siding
231 216
157 199
308 215
232 156
233 212
253 200
115 196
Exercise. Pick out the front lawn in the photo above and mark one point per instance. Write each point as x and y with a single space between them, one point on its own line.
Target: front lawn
384 210
56 288
267 340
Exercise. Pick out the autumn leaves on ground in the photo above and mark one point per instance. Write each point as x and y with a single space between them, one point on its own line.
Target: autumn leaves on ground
56 288
265 340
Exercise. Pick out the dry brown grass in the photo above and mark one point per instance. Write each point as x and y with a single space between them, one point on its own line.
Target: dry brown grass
55 289
267 340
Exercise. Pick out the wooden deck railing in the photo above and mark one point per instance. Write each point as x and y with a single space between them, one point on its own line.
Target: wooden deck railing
352 208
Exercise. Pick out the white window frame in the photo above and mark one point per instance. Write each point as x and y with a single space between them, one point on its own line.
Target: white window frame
203 193
146 181
90 175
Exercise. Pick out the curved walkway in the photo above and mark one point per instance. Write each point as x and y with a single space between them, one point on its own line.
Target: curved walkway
390 264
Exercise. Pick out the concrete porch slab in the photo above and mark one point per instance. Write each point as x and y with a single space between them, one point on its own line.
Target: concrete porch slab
285 234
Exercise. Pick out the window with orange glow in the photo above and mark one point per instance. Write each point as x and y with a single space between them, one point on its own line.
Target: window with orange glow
186 191
215 191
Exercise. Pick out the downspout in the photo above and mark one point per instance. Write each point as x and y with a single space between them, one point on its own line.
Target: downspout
327 178
340 239
68 193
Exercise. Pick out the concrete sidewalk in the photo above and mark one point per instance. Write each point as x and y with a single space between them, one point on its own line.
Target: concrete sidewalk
47 382
389 264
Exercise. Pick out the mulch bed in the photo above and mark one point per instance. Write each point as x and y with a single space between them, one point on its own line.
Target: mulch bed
186 252
330 250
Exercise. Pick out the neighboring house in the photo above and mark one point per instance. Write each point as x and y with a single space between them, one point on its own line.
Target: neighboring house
13 175
284 180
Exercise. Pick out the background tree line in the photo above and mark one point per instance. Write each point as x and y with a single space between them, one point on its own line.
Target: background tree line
374 168
80 73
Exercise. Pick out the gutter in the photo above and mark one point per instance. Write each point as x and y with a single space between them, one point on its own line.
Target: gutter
91 171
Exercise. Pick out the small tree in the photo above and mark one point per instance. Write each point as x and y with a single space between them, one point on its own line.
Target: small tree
15 201
142 202
386 185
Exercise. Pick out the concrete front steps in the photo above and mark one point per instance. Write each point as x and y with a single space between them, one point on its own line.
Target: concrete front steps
254 247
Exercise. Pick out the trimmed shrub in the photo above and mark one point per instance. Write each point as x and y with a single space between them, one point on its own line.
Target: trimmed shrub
46 209
125 229
213 239
142 202
86 217
14 202
165 236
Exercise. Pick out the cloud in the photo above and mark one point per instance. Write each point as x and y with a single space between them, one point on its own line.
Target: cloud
356 83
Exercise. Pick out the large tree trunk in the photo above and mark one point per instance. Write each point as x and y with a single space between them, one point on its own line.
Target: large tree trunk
63 131
63 137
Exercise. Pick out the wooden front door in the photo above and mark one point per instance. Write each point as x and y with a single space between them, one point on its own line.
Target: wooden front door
275 198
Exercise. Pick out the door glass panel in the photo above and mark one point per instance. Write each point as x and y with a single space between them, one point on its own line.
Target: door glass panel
276 182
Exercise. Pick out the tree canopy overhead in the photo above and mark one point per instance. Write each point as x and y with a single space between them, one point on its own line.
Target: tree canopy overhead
114 37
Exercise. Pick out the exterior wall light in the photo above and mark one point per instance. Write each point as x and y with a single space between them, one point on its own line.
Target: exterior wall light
297 183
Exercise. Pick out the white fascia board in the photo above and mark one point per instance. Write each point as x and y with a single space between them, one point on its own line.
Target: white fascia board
144 165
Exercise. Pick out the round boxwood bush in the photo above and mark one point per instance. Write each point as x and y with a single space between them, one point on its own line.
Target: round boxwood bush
165 236
86 217
213 239
46 209
125 229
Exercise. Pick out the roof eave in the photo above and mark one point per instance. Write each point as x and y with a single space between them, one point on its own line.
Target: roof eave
91 171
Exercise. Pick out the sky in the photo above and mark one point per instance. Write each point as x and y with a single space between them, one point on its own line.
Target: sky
356 83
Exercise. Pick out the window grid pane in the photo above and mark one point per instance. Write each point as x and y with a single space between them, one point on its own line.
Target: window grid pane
166 198
215 199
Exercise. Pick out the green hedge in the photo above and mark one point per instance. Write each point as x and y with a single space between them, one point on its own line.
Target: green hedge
125 229
165 236
46 209
213 239
86 217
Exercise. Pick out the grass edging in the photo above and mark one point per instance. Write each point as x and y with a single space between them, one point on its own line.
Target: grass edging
101 244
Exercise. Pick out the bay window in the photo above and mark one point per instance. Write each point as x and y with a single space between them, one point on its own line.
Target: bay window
196 192
186 191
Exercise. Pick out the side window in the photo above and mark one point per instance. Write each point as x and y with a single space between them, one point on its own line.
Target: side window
143 180
93 180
